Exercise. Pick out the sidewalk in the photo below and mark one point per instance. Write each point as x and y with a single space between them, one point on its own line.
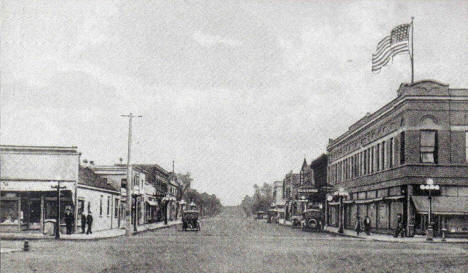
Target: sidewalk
390 238
9 250
104 234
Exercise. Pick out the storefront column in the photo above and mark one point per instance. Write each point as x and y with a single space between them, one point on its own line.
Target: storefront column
377 215
19 212
75 225
409 214
112 204
389 211
42 213
326 213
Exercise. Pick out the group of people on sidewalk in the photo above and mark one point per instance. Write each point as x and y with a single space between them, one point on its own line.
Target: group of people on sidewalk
86 220
400 230
367 225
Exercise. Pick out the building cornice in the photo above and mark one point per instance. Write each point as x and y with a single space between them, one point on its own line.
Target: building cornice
98 189
395 103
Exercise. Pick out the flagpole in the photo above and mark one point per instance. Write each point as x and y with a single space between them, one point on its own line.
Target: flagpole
412 51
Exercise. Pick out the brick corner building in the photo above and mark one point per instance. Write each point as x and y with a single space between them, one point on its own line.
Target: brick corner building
382 160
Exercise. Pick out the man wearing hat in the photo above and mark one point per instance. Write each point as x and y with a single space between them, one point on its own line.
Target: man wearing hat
69 220
83 221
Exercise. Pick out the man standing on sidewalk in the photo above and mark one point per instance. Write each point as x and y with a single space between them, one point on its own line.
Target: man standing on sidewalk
367 224
89 221
400 227
358 225
83 221
69 219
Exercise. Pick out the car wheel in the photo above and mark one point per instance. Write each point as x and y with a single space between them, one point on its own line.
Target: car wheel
312 223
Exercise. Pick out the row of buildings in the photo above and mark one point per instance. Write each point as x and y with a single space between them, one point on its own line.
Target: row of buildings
29 176
381 165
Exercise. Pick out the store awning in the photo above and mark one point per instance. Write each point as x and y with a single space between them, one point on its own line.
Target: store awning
37 186
281 203
395 197
364 201
447 205
152 203
34 186
367 201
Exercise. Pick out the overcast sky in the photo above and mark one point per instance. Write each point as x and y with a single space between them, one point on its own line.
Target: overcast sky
236 92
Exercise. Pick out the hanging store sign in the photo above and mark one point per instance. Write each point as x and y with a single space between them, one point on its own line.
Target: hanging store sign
307 190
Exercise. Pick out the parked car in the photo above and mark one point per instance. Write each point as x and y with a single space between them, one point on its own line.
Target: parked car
296 220
260 215
273 216
312 219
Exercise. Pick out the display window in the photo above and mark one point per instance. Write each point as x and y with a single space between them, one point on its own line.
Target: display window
9 212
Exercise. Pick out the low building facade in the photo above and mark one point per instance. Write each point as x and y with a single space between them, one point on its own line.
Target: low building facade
97 196
29 176
291 183
116 176
158 179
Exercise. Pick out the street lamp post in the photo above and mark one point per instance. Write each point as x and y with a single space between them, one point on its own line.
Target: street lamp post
341 193
429 186
327 212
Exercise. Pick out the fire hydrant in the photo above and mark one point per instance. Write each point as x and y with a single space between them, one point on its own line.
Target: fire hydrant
26 246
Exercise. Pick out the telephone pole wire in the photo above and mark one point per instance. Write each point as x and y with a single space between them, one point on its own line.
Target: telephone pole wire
128 207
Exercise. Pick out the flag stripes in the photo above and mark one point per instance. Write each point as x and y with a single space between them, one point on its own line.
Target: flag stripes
390 46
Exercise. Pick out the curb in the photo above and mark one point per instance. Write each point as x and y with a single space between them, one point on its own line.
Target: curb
25 238
10 250
153 229
394 241
342 234
19 238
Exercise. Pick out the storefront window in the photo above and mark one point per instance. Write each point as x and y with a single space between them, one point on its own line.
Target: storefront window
466 146
100 206
108 205
51 209
8 212
116 206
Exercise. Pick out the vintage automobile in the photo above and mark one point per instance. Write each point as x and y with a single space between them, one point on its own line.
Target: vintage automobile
260 215
312 220
190 220
273 216
296 220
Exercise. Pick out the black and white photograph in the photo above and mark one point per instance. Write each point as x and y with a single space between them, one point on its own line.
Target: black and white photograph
234 136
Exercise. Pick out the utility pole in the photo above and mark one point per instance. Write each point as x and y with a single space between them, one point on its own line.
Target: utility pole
57 218
128 208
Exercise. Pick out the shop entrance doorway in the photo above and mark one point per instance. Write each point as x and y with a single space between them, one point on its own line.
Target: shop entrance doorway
34 215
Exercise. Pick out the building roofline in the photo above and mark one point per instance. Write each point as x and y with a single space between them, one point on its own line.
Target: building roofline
318 159
107 167
371 117
31 148
153 166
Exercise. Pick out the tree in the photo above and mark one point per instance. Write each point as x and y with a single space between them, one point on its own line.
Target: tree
209 205
260 201
185 181
246 205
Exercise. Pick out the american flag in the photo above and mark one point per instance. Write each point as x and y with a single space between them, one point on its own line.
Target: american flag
396 43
